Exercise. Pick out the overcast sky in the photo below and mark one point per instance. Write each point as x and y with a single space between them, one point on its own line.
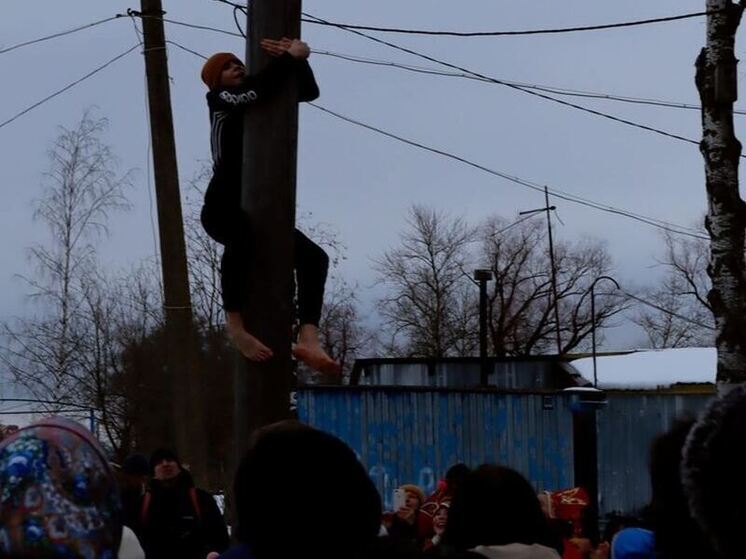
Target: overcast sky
363 183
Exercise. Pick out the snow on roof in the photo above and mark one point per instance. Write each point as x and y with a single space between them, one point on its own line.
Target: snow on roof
651 369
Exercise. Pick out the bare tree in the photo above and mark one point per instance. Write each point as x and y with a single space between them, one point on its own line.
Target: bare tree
46 354
204 259
683 314
716 79
427 278
520 304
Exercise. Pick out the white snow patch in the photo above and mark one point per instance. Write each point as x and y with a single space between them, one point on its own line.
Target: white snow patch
651 369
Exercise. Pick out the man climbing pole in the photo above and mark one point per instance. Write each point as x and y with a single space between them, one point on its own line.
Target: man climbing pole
232 91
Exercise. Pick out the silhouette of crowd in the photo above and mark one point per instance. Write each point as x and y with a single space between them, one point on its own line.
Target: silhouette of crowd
300 492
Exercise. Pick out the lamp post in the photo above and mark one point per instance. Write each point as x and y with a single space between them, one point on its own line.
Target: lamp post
482 277
593 321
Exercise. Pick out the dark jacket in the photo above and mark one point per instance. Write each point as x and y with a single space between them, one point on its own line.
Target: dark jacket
170 526
227 107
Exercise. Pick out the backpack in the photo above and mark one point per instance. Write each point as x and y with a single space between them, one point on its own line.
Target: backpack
148 497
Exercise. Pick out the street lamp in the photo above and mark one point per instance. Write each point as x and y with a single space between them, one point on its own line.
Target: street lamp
482 277
593 321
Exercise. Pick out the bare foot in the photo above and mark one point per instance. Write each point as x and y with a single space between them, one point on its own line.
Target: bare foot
317 359
309 350
248 345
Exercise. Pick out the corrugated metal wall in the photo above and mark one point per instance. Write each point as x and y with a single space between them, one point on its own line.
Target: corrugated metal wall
413 436
627 426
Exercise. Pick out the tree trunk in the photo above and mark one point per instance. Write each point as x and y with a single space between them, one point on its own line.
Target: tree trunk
726 215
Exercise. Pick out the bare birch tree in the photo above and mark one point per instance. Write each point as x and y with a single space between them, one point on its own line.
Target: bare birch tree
46 353
716 79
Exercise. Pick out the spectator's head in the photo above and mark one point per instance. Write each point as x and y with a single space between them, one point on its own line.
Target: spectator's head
58 497
413 495
712 473
496 506
676 532
136 465
455 476
440 518
304 491
165 465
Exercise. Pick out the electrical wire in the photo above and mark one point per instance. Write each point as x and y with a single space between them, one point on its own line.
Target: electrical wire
499 33
69 86
547 88
519 88
670 227
182 47
189 25
660 308
510 33
667 226
60 34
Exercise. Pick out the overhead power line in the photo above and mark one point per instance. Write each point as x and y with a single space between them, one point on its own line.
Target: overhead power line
660 224
60 34
539 87
519 88
661 309
508 33
135 13
69 86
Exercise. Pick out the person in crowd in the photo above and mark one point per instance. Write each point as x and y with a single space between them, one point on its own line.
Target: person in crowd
58 495
176 518
440 520
446 489
133 479
403 523
300 492
496 514
714 460
670 531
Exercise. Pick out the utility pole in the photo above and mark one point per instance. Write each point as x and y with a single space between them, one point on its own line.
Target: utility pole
716 80
482 277
187 414
549 209
268 197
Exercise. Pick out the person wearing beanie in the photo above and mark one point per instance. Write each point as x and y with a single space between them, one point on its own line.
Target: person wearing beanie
58 496
231 94
176 518
300 492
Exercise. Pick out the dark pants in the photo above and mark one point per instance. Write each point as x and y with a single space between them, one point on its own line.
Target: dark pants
228 225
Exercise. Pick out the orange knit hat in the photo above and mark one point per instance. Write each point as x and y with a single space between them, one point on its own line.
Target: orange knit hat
214 67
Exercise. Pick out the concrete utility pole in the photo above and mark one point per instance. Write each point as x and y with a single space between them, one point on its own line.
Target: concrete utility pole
716 80
268 197
187 417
